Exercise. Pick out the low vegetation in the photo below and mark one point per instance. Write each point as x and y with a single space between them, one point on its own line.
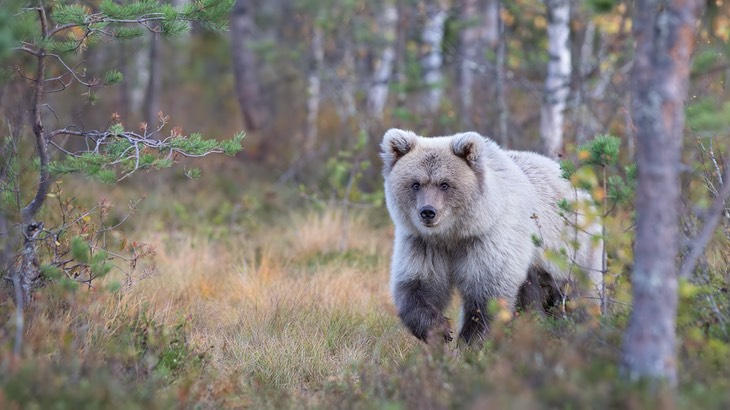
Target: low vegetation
263 307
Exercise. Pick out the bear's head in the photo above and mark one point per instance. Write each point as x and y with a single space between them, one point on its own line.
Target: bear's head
432 184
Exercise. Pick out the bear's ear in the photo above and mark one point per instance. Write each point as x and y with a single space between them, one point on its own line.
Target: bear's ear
396 144
469 146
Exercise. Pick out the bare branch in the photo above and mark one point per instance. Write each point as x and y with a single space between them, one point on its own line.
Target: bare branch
703 238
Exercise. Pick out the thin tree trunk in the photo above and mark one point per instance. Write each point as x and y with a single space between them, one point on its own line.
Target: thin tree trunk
469 49
141 76
665 37
378 95
245 67
29 271
432 60
314 90
502 107
582 131
154 84
557 80
491 26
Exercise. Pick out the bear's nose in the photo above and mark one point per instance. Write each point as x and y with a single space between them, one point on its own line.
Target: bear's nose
428 213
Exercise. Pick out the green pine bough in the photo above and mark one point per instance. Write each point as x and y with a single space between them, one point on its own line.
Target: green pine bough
44 40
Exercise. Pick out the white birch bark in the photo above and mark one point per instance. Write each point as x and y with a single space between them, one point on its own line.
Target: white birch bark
582 129
557 80
502 107
490 27
378 95
314 89
141 77
432 60
469 36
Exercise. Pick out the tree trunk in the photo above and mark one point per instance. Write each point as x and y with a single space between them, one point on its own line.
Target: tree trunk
314 90
491 25
378 95
139 75
665 36
432 60
469 49
582 130
248 90
557 80
502 107
154 84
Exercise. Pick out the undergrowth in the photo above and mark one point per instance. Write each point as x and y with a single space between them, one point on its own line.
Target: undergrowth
277 314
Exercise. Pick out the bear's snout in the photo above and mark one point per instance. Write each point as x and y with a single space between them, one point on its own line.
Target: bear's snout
428 214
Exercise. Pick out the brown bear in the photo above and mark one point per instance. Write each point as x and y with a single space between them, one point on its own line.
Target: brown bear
467 215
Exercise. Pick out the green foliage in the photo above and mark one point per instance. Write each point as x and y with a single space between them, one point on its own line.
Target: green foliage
69 13
80 250
113 77
128 10
602 6
567 167
602 151
126 33
346 170
704 115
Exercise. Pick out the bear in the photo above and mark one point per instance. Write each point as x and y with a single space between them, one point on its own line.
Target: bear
469 216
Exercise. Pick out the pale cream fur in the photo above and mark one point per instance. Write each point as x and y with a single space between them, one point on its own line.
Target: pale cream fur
496 201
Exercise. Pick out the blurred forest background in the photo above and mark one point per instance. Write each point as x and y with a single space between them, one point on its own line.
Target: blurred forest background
260 279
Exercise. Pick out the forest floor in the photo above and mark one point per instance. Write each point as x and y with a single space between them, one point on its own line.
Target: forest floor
254 303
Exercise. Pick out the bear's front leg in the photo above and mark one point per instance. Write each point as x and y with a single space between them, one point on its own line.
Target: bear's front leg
475 320
420 307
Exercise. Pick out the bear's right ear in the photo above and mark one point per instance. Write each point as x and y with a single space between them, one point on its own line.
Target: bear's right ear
396 144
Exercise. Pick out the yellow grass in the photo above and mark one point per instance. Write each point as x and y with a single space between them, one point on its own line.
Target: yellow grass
276 307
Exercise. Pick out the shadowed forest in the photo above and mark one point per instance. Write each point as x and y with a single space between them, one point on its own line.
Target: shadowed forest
192 209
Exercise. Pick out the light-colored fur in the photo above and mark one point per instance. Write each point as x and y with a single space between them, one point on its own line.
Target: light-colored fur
495 202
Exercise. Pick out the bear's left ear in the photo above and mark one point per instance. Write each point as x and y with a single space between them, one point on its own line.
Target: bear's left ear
396 144
469 146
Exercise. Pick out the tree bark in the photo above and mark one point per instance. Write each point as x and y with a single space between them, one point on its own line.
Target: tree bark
248 90
314 89
154 84
432 59
557 80
502 107
491 25
29 271
469 48
582 130
665 36
378 95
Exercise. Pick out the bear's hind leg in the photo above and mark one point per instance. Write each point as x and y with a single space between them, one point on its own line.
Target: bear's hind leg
539 293
420 308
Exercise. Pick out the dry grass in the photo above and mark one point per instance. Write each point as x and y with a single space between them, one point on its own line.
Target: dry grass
288 309
292 315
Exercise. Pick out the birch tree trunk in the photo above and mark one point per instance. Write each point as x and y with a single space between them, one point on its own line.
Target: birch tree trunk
502 107
245 67
491 24
378 95
469 48
140 71
557 80
432 60
665 36
317 49
582 130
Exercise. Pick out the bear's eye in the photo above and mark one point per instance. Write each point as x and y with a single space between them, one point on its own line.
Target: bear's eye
416 186
444 186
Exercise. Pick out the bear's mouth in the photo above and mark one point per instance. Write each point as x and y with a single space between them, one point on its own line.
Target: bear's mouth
429 224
